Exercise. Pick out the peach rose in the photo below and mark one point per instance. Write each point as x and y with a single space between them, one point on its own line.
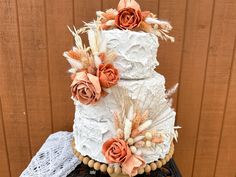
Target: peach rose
128 18
108 75
132 165
86 88
116 151
128 3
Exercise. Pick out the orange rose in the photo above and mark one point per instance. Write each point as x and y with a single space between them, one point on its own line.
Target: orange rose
86 88
128 18
108 75
116 151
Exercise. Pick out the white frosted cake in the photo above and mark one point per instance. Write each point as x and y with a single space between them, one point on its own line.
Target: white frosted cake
124 122
136 52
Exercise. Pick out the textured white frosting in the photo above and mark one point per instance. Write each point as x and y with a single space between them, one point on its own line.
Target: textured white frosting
137 52
93 124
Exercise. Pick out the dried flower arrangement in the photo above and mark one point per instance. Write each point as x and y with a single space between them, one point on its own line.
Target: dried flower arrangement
129 16
92 70
136 130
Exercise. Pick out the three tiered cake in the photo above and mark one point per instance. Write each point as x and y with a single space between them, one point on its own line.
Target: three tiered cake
124 122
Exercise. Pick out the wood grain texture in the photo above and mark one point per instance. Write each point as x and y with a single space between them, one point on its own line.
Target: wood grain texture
196 39
107 4
34 83
227 147
85 11
215 88
12 90
35 69
4 162
170 62
60 40
149 5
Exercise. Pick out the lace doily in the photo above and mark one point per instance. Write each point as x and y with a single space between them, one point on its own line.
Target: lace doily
54 159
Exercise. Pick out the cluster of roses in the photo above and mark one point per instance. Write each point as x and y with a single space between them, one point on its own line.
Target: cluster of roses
89 83
127 16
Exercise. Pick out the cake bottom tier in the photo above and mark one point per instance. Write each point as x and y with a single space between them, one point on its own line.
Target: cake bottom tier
93 124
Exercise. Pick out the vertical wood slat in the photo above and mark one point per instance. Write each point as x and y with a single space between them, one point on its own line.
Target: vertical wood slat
4 162
197 30
85 11
216 87
107 4
227 149
35 67
149 5
170 62
59 15
12 89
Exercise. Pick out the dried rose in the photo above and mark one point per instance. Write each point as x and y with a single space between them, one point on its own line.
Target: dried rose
128 18
132 165
86 88
116 151
108 75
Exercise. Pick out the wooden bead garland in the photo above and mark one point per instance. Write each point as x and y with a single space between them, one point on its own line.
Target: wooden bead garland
117 170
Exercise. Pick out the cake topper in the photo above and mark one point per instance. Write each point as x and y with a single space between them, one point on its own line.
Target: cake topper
129 16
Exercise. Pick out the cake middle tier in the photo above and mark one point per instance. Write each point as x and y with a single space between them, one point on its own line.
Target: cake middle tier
136 52
94 124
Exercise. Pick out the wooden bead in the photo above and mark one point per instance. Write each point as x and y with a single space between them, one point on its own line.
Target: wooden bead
153 166
81 158
141 171
86 160
74 151
159 164
163 161
77 154
91 163
167 158
130 141
133 149
148 136
110 170
147 169
96 165
103 168
148 143
117 170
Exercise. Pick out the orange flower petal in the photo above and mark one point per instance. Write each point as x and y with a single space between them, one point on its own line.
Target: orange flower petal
122 4
133 4
128 3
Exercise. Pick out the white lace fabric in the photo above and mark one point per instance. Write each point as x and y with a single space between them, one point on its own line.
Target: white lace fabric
54 159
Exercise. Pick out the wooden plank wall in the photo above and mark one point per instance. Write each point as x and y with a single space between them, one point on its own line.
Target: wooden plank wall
34 86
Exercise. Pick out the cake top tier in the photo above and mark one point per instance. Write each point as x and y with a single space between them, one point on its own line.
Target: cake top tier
136 52
116 50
